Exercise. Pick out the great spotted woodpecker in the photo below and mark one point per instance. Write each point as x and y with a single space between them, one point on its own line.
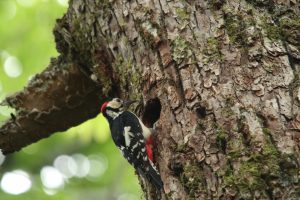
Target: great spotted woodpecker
132 137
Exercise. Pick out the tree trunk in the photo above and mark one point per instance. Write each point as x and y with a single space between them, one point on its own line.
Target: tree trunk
223 75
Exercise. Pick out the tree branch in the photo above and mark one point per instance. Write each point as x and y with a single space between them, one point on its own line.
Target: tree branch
58 98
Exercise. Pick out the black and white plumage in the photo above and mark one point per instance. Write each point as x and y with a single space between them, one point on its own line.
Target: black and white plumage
129 134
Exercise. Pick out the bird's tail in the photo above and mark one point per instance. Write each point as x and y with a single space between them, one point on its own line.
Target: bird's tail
153 176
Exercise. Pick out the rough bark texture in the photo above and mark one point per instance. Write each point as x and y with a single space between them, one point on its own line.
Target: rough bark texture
224 74
48 104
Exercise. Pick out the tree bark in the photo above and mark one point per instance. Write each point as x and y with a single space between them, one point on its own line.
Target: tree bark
221 76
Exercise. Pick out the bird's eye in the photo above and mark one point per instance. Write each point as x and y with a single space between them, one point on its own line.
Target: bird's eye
118 100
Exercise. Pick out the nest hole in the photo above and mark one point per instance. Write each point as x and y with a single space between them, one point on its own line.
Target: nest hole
151 112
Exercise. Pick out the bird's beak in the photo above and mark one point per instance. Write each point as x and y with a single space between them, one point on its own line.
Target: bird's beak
127 103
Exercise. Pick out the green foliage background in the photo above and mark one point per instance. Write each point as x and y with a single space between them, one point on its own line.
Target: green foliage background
26 33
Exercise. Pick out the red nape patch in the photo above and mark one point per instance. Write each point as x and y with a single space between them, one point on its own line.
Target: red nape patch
103 106
149 143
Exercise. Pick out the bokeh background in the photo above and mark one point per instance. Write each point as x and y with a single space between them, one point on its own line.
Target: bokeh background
81 163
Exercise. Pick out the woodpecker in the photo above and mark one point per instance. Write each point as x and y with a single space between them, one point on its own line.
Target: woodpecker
132 137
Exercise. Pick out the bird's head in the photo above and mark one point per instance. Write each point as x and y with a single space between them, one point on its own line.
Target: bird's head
114 107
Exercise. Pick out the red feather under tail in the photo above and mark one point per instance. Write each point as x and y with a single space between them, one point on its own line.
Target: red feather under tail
149 143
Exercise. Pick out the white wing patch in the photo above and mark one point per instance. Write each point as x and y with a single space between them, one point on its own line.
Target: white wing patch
127 135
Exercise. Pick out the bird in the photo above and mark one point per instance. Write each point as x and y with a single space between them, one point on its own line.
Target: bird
132 138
